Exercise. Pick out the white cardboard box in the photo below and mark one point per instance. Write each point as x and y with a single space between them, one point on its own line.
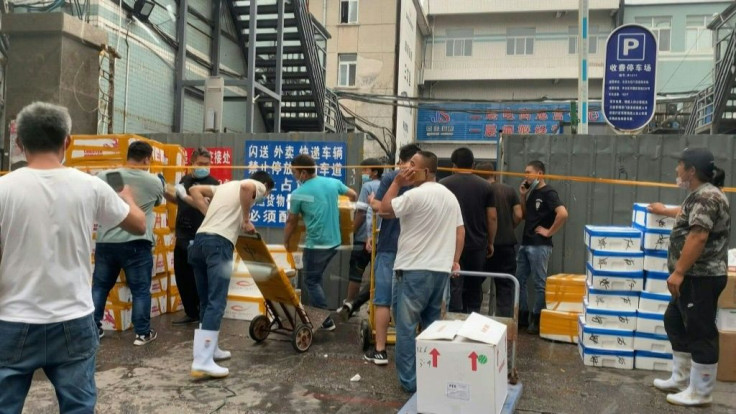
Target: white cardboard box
612 239
461 367
243 287
643 218
244 308
726 320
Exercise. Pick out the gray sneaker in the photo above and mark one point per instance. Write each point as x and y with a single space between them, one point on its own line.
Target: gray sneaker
144 339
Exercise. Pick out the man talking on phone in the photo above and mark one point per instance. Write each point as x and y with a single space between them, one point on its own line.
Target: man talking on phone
117 249
544 215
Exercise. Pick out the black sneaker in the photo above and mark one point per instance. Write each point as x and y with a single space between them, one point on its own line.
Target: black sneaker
533 329
101 332
186 320
345 311
328 325
144 339
377 357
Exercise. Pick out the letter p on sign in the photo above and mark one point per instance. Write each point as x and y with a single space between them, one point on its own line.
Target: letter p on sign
631 47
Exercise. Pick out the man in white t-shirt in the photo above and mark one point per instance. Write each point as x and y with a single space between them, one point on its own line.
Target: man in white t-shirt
211 257
430 244
47 213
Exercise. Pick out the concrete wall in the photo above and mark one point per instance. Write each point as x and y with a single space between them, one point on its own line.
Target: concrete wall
637 158
373 39
683 68
510 89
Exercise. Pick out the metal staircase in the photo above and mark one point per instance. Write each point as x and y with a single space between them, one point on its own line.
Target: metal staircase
298 66
714 110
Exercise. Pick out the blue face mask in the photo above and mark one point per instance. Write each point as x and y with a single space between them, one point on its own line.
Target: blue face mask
201 172
365 178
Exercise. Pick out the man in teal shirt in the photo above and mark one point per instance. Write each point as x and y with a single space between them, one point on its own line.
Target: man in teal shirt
117 249
316 201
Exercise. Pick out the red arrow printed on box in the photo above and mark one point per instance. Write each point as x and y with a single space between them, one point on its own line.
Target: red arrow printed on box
473 361
435 356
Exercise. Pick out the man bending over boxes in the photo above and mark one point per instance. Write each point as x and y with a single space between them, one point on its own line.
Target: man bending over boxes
211 257
697 260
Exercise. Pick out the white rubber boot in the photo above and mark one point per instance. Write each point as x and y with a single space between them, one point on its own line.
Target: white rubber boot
219 355
680 378
702 382
205 343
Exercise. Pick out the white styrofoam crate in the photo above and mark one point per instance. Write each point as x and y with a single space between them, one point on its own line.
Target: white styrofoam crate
604 358
609 319
603 338
616 261
656 282
612 239
726 320
655 239
650 323
654 302
653 361
612 299
624 281
643 218
652 342
655 261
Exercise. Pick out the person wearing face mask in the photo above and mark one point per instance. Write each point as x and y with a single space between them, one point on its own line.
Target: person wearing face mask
211 257
360 258
429 249
117 249
188 220
544 215
697 260
316 201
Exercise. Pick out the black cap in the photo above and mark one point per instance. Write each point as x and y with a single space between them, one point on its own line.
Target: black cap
700 158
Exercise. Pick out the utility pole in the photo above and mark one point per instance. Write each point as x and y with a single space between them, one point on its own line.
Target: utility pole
583 66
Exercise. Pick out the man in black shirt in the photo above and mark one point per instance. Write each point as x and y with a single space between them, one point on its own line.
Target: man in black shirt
479 215
544 215
188 220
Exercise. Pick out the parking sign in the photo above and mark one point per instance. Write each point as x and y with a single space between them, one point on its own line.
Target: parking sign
629 82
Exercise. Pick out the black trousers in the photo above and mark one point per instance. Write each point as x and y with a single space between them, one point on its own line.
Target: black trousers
185 279
466 292
690 320
503 261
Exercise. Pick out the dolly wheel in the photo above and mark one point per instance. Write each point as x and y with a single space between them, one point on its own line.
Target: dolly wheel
301 338
365 334
259 328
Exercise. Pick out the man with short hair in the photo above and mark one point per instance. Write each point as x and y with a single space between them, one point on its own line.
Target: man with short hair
360 257
117 249
386 247
47 213
430 246
508 208
211 258
316 201
188 220
544 215
475 196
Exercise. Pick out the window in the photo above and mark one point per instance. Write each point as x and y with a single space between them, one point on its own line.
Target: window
348 11
698 37
520 41
662 29
459 42
594 37
348 64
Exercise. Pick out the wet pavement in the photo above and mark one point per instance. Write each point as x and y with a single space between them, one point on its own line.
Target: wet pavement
272 378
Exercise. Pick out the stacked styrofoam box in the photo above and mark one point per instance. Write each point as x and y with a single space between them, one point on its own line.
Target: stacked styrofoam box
615 278
564 295
653 349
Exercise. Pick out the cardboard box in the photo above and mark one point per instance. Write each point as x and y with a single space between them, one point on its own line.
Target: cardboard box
612 239
559 326
159 304
244 287
244 308
117 317
727 356
163 262
727 300
160 284
175 304
461 366
120 294
726 320
565 292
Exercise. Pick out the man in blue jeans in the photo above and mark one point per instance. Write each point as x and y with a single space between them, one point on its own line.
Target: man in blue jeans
211 258
544 215
117 249
430 246
316 201
46 214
